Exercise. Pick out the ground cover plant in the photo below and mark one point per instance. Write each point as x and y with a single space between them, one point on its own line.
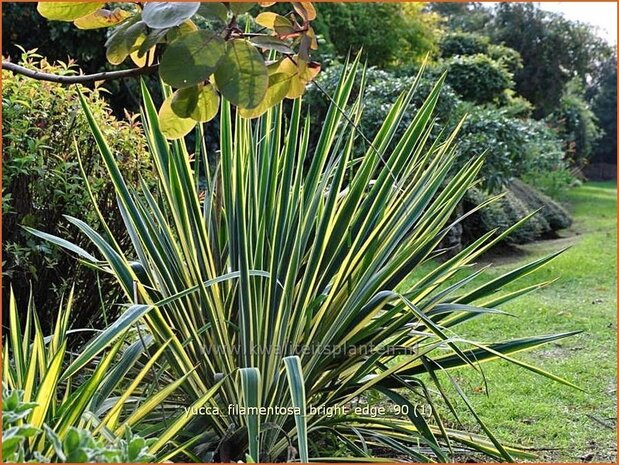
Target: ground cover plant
276 285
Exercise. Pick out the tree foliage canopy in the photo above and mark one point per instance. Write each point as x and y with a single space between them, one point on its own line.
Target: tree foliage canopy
406 32
227 56
554 51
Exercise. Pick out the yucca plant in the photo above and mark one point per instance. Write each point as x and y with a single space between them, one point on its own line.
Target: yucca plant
58 415
274 277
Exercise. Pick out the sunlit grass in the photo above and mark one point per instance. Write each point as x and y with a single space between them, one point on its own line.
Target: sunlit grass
562 423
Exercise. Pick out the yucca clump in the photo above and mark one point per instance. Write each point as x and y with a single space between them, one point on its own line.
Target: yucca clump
273 288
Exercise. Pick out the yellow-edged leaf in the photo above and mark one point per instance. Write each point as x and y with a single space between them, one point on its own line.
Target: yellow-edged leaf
173 126
278 23
179 31
101 18
183 419
300 71
150 404
47 389
111 419
67 11
279 86
207 104
199 103
147 59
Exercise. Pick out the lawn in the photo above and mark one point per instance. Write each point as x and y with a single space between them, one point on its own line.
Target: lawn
558 422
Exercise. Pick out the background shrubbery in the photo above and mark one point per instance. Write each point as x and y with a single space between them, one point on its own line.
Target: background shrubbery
478 78
519 200
43 132
514 146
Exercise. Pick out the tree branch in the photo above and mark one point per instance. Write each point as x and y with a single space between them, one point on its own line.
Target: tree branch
77 79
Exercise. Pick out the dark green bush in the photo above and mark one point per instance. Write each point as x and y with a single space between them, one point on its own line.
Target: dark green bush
478 78
576 125
505 56
554 50
500 215
551 183
42 181
553 213
79 445
513 146
388 33
604 106
381 90
519 200
463 43
489 131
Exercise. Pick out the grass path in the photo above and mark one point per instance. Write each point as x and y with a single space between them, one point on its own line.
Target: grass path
561 423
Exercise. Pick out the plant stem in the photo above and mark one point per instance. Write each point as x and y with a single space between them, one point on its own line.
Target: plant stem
78 79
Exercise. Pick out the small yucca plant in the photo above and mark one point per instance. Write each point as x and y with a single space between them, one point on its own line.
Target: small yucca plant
96 404
277 283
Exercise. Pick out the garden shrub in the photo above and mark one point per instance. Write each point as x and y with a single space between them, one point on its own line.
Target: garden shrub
78 446
604 106
512 146
499 214
478 78
576 124
490 132
552 183
43 131
463 43
509 58
515 106
382 88
519 200
553 213
405 33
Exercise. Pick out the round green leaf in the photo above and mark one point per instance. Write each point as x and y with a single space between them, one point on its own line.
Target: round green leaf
124 41
171 125
199 103
242 74
67 11
280 24
207 105
214 10
238 8
153 37
184 101
159 15
279 85
191 58
178 31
